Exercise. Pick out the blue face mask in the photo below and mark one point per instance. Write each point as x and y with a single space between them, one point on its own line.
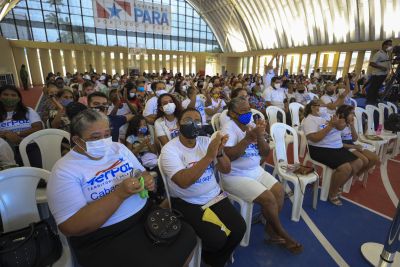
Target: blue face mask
65 102
142 130
140 89
245 118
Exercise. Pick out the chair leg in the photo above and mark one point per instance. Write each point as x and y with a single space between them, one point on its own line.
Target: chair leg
326 183
302 147
347 185
315 194
196 259
246 211
297 202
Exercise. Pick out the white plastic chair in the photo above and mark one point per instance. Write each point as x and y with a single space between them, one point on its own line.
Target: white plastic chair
278 133
18 204
196 259
49 142
294 109
382 108
255 111
272 114
393 107
353 102
215 122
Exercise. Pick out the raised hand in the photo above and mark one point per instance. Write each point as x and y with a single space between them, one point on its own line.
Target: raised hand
213 147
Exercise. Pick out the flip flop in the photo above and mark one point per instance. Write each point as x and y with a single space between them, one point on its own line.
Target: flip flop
335 201
275 241
297 248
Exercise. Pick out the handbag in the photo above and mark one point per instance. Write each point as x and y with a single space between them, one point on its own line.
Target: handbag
303 170
163 226
34 246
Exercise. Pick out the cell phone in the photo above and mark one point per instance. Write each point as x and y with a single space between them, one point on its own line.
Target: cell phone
256 117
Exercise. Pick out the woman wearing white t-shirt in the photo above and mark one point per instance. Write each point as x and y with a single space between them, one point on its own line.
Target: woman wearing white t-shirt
166 126
188 163
96 203
18 121
276 96
247 179
325 146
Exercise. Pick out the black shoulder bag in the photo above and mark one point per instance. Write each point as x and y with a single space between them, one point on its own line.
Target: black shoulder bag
163 226
34 246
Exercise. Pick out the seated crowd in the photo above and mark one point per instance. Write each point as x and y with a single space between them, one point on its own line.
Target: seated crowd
162 123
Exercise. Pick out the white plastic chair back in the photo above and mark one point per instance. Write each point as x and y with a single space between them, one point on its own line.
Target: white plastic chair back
215 122
278 134
255 111
370 113
272 114
294 109
353 102
18 196
382 108
49 142
359 114
312 96
393 107
166 185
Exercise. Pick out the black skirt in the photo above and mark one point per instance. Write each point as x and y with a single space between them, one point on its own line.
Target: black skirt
331 157
126 244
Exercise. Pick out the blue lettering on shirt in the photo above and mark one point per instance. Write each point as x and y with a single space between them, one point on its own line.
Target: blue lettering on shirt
251 151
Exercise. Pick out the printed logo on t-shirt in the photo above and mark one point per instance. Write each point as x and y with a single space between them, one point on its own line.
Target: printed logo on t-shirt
106 181
15 125
307 97
174 133
251 151
207 175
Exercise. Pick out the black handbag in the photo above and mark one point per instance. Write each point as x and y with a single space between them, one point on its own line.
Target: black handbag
34 246
163 226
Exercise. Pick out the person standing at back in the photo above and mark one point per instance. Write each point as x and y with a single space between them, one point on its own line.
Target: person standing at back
380 67
24 77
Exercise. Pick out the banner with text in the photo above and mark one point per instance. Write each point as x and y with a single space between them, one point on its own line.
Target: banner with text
132 15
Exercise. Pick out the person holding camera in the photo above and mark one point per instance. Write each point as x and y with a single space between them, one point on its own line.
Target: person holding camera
325 146
248 180
189 163
380 67
96 201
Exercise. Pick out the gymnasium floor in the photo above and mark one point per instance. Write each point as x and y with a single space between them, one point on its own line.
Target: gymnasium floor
331 236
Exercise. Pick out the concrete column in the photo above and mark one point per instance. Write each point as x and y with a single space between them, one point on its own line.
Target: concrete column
157 63
57 60
150 63
316 64
284 63
306 71
190 64
89 60
19 59
80 61
141 64
325 62
200 63
254 67
360 61
68 61
233 64
98 61
347 62
164 61
291 65
335 63
125 63
108 65
45 61
178 63
185 69
117 62
34 66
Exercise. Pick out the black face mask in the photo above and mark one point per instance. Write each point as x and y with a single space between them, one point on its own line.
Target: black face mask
300 91
190 130
330 93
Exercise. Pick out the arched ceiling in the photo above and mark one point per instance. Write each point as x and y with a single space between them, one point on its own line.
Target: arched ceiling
247 25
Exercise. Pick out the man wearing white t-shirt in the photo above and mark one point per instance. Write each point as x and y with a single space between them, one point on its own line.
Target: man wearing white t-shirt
195 101
331 100
150 110
248 180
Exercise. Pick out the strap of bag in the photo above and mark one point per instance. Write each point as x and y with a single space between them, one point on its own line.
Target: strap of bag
32 225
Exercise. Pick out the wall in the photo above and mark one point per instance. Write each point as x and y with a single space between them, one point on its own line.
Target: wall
43 58
7 64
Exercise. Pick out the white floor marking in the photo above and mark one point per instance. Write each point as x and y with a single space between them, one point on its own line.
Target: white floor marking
398 161
364 207
322 239
387 185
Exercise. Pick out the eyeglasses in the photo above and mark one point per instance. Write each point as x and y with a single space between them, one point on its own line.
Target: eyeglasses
101 108
189 120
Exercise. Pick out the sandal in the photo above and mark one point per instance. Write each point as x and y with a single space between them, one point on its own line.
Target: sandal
335 201
275 241
296 248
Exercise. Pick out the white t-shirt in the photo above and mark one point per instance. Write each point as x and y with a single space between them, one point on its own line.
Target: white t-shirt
214 104
268 77
167 128
329 99
76 181
124 110
266 91
175 157
200 103
346 134
248 164
382 59
151 107
313 124
311 87
19 125
276 97
303 98
6 153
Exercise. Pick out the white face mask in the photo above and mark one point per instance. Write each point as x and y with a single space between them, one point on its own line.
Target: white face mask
169 108
171 82
341 91
184 88
390 48
109 84
277 85
98 149
160 92
132 95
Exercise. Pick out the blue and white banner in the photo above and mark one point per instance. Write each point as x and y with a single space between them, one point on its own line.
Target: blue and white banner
132 15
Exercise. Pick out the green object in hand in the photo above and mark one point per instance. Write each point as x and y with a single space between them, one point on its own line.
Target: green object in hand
144 193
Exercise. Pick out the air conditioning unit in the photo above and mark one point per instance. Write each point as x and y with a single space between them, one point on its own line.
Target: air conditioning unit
7 79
